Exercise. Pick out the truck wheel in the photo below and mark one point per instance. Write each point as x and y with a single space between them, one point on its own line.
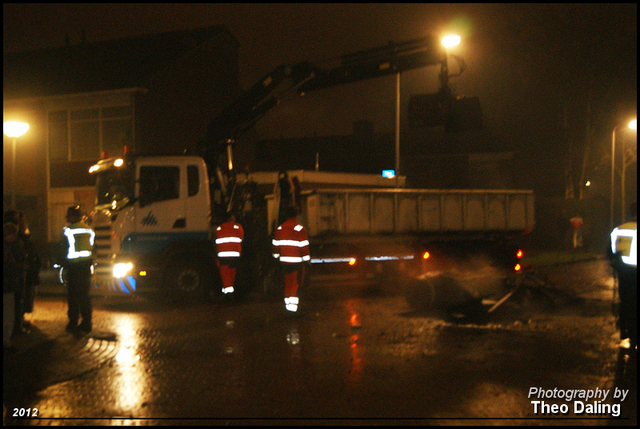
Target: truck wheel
188 279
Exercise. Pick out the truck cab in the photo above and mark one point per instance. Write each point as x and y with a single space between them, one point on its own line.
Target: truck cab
152 221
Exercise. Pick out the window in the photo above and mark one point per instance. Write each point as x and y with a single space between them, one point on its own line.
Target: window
85 140
116 134
83 134
159 183
59 135
116 129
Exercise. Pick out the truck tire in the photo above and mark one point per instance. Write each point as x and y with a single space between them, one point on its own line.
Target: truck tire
189 279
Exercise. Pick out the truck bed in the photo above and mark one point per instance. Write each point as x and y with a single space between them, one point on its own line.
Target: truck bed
415 211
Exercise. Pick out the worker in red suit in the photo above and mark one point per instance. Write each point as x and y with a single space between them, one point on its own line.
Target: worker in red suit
229 238
291 248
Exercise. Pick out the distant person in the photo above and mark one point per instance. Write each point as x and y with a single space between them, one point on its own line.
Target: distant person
32 266
624 260
79 240
12 273
229 236
576 224
296 190
291 248
283 194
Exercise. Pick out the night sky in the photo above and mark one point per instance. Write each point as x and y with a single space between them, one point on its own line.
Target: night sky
536 68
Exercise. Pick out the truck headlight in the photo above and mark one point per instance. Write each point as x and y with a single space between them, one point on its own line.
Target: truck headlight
120 270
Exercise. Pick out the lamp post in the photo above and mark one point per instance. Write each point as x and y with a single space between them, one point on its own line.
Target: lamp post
447 42
14 130
632 125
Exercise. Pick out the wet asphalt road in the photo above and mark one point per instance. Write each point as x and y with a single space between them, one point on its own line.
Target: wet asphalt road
360 354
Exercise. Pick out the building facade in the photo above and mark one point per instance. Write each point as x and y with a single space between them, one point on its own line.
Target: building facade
155 94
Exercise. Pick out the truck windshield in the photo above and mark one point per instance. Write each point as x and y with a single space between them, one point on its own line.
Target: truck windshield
114 188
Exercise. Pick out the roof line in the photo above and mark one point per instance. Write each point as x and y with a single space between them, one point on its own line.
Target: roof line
77 95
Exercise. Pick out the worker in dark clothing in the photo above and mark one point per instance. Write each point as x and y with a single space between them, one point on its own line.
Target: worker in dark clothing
624 259
229 236
12 216
291 248
12 276
283 195
79 240
32 267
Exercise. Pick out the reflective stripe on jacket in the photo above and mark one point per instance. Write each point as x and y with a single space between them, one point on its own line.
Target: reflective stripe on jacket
624 243
80 239
229 238
290 243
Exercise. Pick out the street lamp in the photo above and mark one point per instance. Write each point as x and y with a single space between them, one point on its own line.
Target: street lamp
14 130
448 42
451 40
632 125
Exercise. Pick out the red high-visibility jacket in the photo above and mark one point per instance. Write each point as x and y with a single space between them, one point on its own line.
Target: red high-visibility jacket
229 238
290 243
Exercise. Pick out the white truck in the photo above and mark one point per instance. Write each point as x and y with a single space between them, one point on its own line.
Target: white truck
155 215
153 223
152 213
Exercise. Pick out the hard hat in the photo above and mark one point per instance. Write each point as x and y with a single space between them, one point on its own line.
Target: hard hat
74 211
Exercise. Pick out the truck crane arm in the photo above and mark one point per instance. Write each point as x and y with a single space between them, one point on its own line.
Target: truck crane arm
242 114
304 77
378 62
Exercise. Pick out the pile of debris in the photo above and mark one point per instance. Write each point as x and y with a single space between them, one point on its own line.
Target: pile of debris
479 296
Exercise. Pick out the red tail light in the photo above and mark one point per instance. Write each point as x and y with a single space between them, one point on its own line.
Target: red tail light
519 254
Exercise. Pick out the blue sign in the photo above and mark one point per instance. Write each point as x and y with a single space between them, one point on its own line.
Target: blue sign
389 173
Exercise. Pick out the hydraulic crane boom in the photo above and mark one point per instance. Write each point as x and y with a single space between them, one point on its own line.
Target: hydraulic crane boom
304 77
377 62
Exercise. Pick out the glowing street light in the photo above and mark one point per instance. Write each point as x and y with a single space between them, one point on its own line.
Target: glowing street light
14 130
451 40
633 125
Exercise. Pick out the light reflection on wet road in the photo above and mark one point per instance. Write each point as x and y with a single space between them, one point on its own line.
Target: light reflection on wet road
129 382
352 355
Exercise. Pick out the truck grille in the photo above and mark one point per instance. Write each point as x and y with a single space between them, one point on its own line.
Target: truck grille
103 254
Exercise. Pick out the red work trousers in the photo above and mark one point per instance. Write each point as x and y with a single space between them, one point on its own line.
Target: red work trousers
227 272
293 277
